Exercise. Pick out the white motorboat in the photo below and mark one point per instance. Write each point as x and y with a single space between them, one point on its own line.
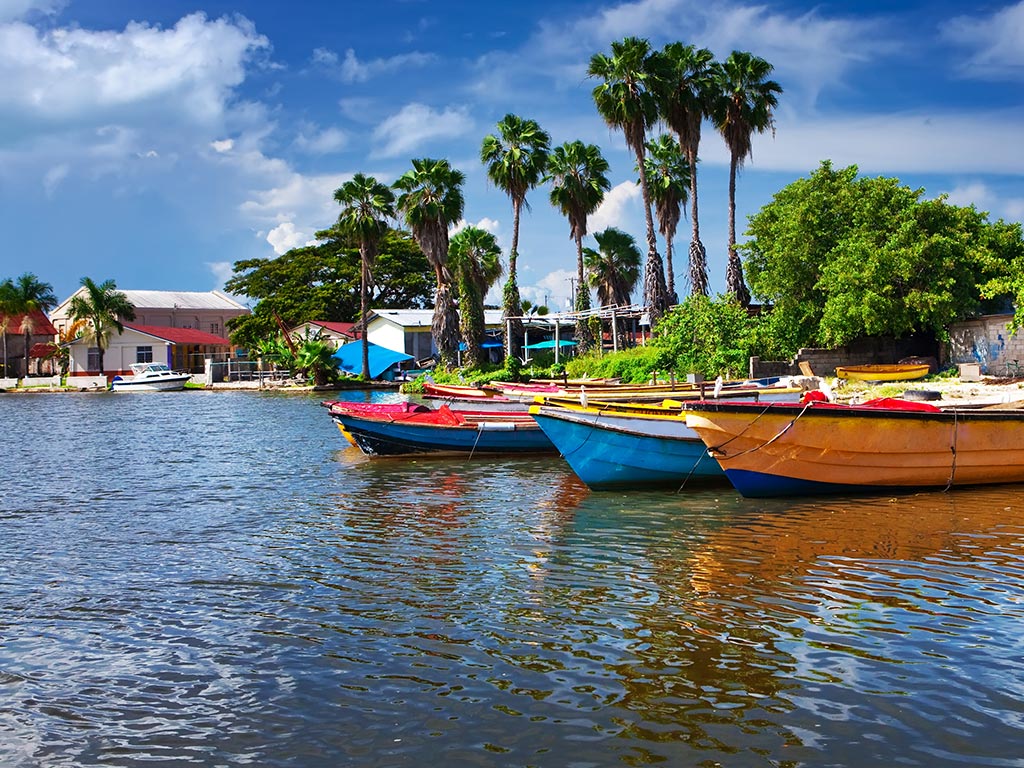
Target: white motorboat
150 377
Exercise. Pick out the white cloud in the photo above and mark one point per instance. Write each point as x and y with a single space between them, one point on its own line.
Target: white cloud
17 9
997 41
984 198
355 71
417 124
554 290
222 271
184 72
54 177
285 236
315 141
222 146
620 201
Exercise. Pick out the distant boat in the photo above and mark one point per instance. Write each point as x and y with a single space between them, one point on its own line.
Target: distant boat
906 372
881 446
150 377
442 432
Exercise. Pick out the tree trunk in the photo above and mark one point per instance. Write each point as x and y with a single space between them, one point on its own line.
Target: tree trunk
584 338
698 256
512 304
654 271
734 273
670 279
445 326
364 305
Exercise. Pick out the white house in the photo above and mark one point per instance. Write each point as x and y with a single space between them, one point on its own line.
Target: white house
183 349
337 333
207 311
408 330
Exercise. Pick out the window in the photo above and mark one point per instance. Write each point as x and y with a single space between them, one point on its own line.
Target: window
93 363
144 354
215 329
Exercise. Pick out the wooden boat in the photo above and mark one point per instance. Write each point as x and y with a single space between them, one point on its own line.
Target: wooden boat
633 445
781 449
883 372
442 432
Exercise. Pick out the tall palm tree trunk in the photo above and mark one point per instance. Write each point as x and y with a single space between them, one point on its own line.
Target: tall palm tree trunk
512 304
28 343
698 256
654 271
364 305
734 273
6 374
584 338
670 279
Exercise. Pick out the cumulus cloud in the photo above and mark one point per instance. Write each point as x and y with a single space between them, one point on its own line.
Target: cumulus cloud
188 70
985 198
997 42
54 177
222 272
417 124
355 71
554 290
17 9
285 236
620 201
223 145
315 141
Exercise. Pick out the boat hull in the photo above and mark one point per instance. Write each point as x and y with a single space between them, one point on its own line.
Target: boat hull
782 450
621 451
378 437
167 384
883 372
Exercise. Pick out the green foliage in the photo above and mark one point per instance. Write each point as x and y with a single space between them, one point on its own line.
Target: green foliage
711 337
315 358
321 282
633 366
840 257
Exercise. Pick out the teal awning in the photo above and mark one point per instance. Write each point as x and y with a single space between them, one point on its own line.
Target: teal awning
381 359
550 344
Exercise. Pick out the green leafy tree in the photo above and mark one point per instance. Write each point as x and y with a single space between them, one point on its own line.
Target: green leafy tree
515 158
578 174
668 175
103 307
745 104
315 358
431 202
367 207
711 337
31 295
475 259
626 101
323 282
686 99
841 257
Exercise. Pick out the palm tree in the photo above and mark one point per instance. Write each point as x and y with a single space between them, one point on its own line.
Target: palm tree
515 162
668 175
744 106
577 173
368 206
7 312
431 201
475 258
614 268
29 297
626 100
686 100
103 307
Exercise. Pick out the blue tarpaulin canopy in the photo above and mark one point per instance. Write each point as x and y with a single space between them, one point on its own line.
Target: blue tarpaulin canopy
550 344
381 358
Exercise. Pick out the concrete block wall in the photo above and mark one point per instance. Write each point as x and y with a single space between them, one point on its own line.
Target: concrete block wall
988 342
823 362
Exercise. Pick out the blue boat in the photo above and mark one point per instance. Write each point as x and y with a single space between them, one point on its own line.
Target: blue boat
631 447
443 432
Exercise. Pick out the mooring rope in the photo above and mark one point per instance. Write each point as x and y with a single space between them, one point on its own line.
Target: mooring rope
952 448
784 430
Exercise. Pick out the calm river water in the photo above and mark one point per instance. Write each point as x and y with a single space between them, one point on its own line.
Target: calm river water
214 579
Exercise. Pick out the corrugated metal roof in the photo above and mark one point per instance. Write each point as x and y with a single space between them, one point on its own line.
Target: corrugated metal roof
417 318
182 300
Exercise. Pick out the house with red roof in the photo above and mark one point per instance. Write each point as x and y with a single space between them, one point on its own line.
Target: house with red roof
12 343
183 349
337 333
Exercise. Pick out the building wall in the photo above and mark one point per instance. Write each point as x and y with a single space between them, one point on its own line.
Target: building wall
117 359
209 320
988 342
386 334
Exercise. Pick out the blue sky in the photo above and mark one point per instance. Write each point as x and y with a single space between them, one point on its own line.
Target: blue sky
157 143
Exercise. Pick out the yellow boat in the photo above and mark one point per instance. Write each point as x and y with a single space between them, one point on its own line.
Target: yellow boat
778 449
907 372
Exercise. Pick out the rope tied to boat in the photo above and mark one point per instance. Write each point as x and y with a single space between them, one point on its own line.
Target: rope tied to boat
716 451
952 449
